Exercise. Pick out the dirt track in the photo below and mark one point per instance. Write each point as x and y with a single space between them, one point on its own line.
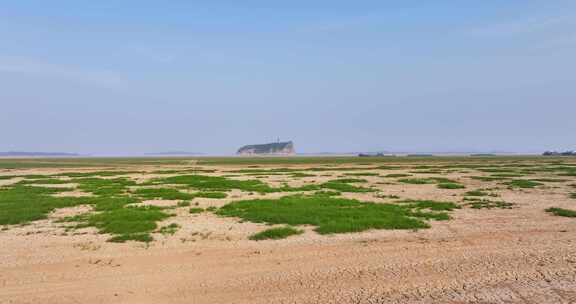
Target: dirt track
522 255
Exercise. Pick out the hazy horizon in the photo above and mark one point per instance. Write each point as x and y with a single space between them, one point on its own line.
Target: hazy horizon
135 77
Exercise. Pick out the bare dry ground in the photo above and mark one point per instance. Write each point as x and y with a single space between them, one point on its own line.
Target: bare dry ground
517 255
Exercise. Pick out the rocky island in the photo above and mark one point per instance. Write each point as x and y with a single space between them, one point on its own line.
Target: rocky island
277 148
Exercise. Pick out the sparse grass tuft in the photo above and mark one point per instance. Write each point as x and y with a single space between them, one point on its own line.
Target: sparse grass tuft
183 204
562 212
432 205
387 196
487 204
170 229
138 237
275 233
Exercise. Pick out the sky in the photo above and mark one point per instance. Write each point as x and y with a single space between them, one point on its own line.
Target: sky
130 77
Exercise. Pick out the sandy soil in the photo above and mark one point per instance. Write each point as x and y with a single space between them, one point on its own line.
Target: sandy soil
521 255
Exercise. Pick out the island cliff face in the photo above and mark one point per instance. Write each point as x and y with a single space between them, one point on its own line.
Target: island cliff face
278 148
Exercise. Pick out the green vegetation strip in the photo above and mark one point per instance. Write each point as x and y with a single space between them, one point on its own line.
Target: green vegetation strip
218 183
450 186
428 180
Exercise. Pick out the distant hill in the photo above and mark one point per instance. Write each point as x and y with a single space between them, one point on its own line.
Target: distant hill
36 154
277 148
174 153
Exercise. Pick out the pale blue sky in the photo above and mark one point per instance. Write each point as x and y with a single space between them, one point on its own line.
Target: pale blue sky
128 77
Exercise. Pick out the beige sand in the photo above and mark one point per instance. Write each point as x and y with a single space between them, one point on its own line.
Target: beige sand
522 255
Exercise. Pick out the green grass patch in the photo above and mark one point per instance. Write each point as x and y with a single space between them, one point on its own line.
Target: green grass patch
330 215
344 187
104 187
362 174
183 204
327 193
427 172
477 193
489 178
275 233
416 181
498 170
203 182
138 237
217 195
523 183
349 180
507 175
108 203
562 212
48 181
300 174
397 175
123 223
428 180
195 210
550 180
22 204
162 193
96 173
450 186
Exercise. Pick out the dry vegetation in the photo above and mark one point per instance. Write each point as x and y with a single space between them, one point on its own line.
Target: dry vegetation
288 230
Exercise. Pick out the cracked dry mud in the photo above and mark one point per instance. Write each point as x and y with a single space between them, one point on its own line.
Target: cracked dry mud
521 255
